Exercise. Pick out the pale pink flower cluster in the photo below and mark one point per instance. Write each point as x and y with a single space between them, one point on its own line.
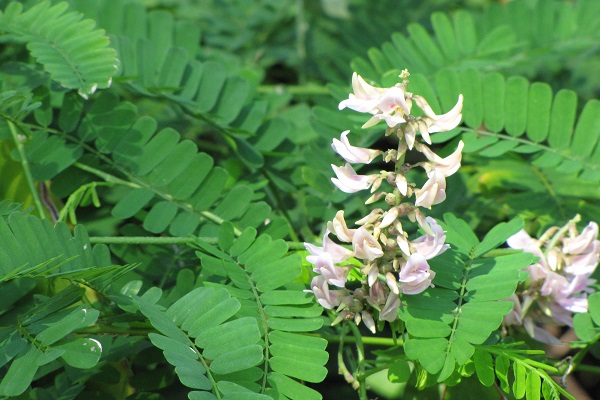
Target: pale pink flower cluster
378 249
559 281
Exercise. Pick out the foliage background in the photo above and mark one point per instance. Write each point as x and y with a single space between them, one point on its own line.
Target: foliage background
203 137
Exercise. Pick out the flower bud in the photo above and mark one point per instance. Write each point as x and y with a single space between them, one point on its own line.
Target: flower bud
355 306
360 293
391 199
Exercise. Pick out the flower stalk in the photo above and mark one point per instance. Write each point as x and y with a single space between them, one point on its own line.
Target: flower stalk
363 273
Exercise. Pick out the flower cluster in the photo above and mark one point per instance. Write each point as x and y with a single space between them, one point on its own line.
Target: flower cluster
383 261
559 281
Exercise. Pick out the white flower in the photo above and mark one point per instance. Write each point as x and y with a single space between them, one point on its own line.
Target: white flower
340 229
439 123
349 181
365 97
392 108
367 319
352 154
389 217
433 191
446 166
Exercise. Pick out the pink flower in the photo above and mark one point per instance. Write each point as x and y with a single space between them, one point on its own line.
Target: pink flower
392 108
353 155
515 316
349 181
327 298
585 242
377 294
389 312
415 275
338 253
522 241
433 191
365 246
430 246
334 275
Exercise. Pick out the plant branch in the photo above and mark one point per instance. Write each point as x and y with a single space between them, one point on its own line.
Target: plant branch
27 170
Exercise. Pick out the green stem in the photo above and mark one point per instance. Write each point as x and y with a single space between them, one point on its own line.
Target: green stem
300 40
342 369
277 199
560 234
588 368
148 240
368 340
577 358
360 370
27 170
114 330
293 246
106 176
296 90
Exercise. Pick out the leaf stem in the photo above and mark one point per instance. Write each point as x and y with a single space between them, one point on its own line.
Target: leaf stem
148 240
106 176
367 340
27 170
115 330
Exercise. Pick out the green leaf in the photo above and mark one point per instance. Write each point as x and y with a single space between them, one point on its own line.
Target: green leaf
594 307
430 352
58 42
21 373
460 234
519 384
81 353
201 396
238 359
399 372
292 389
188 368
78 318
502 366
584 327
533 389
484 367
498 235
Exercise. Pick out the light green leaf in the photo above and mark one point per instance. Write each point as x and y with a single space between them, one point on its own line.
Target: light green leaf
533 389
484 367
502 366
519 384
